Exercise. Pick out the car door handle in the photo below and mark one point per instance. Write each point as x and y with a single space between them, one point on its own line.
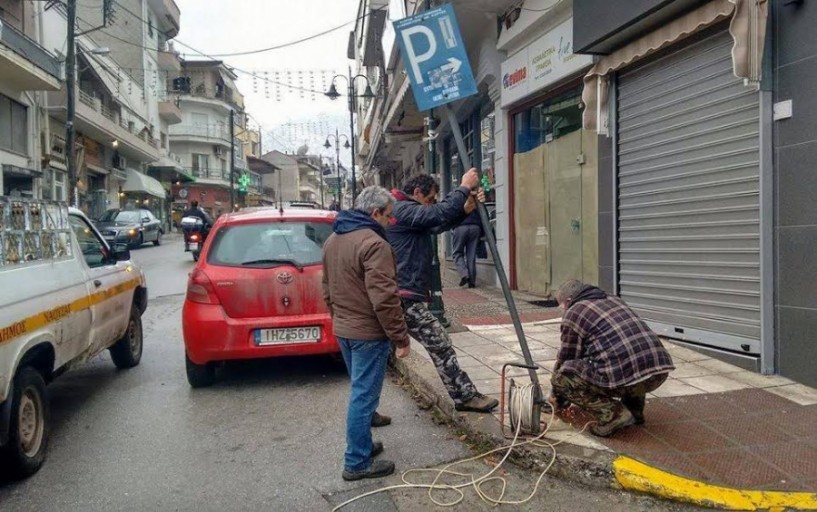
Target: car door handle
97 283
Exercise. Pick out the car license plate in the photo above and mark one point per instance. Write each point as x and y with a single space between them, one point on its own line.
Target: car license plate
287 335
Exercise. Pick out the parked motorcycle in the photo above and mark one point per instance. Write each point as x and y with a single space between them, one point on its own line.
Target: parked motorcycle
194 235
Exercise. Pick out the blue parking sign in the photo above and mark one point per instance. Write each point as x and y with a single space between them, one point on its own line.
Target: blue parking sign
435 57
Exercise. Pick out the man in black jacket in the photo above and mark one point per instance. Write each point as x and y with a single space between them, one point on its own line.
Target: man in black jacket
417 217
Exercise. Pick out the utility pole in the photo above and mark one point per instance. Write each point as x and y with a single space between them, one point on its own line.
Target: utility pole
320 173
337 166
70 80
437 307
352 131
232 160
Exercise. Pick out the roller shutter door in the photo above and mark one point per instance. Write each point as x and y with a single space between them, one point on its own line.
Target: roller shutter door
688 196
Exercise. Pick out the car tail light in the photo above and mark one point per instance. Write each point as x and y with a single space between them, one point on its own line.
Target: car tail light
200 289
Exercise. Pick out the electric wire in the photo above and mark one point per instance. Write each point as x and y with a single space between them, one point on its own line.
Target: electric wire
525 401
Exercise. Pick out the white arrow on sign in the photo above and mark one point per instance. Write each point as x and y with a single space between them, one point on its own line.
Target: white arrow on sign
454 64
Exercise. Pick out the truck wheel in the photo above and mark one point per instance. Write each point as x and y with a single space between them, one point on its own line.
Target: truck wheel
28 435
199 375
127 352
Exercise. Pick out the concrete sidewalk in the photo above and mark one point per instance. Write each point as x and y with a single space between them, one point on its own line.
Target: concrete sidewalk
715 434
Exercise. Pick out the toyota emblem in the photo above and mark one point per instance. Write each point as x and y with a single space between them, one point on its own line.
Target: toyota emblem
285 278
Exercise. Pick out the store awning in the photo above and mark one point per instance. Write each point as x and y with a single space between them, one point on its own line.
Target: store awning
144 184
166 169
748 29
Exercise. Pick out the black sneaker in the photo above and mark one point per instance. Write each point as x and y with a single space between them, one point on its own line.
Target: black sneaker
378 469
380 420
479 403
463 281
377 448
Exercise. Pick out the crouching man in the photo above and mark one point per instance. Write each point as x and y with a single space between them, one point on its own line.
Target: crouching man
609 358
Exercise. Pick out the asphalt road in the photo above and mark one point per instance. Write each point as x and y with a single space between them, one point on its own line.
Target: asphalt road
268 436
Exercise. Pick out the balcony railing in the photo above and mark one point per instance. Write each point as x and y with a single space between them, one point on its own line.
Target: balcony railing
26 47
213 174
199 130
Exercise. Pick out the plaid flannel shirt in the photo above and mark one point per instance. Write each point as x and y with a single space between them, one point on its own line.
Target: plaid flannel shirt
606 343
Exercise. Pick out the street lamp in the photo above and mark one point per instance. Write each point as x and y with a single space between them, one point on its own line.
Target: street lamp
333 94
346 145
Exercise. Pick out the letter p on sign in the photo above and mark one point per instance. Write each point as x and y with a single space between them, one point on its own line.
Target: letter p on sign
413 59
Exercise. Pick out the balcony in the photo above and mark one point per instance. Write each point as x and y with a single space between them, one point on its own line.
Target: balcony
169 60
211 177
170 112
169 16
100 123
200 133
25 64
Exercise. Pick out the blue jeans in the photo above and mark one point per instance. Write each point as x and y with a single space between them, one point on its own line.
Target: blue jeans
366 362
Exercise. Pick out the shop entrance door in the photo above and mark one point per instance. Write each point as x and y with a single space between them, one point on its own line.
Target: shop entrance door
555 196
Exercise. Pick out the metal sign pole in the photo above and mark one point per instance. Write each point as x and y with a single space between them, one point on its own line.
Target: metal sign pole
500 269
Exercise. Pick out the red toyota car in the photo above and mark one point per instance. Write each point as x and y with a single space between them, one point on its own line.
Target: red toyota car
256 291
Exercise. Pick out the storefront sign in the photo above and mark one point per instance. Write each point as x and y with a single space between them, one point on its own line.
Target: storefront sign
547 60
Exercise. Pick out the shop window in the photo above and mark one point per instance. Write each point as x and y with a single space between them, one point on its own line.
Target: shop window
13 125
547 121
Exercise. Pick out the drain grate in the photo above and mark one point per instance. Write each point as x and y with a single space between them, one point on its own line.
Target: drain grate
549 303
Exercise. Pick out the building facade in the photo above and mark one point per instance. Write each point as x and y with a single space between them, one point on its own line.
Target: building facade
212 111
28 69
551 161
705 150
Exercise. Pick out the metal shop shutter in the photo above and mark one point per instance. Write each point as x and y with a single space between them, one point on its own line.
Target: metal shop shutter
688 197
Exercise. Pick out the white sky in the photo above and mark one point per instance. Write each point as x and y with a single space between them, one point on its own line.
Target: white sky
216 27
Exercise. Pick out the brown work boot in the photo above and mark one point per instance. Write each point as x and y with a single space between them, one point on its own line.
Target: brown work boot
479 403
380 420
624 419
377 448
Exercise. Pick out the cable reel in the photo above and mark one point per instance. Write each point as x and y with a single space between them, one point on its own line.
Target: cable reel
525 403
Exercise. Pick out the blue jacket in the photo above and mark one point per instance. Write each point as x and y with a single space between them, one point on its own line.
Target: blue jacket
410 236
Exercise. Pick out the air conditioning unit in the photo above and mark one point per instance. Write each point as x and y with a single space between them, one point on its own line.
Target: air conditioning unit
119 162
218 150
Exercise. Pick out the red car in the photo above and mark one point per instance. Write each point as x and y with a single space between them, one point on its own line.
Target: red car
256 291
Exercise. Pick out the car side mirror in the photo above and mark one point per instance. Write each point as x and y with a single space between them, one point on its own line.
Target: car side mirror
145 219
121 252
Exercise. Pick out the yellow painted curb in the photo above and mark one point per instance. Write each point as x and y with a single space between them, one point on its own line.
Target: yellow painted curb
637 476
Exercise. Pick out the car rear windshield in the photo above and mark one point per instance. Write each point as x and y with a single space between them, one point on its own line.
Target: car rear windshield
269 244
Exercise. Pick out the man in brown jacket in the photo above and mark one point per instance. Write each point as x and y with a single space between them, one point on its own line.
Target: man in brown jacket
360 288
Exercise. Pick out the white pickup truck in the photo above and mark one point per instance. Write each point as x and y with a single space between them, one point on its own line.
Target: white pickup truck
65 296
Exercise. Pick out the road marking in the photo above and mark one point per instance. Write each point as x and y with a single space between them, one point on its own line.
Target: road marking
637 476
